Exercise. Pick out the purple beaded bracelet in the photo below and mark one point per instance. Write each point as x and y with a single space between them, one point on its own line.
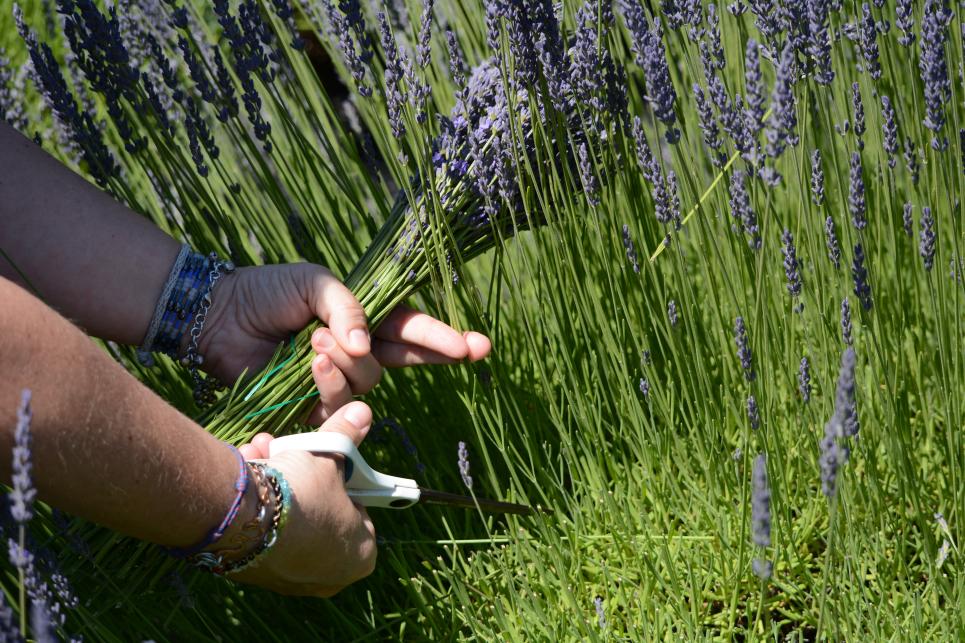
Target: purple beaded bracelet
241 486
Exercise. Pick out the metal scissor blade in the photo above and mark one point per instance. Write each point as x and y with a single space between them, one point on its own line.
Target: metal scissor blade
430 496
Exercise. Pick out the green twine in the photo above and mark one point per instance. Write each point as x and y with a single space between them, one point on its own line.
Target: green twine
267 376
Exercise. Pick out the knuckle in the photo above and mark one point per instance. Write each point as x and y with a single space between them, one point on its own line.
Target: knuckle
368 554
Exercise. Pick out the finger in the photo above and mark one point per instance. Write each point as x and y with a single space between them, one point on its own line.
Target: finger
340 310
479 345
250 452
362 373
407 326
352 420
398 355
332 386
261 442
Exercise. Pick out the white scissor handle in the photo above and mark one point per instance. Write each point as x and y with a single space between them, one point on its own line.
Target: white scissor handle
364 485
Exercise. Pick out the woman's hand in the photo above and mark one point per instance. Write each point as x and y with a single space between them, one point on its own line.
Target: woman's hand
258 307
328 542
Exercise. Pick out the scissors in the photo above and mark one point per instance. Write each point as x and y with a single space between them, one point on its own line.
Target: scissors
370 488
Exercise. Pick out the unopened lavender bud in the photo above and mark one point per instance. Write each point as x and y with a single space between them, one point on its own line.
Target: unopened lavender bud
858 108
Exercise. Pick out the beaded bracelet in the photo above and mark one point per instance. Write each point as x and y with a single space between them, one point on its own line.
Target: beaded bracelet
215 561
184 302
213 536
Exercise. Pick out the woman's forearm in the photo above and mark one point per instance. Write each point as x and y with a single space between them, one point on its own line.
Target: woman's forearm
104 446
87 255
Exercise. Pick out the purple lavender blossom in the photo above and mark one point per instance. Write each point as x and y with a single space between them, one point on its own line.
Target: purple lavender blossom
804 380
23 493
341 29
817 178
753 414
740 209
906 220
463 455
819 46
846 322
791 265
424 50
905 22
672 313
744 353
648 164
631 252
495 9
911 160
457 60
831 241
834 452
933 66
761 514
674 190
648 46
713 37
754 88
889 130
600 614
394 73
782 126
856 202
588 176
520 33
926 238
859 273
858 108
644 387
708 125
869 42
9 631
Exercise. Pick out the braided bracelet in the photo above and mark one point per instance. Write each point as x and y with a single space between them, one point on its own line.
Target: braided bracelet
219 563
213 536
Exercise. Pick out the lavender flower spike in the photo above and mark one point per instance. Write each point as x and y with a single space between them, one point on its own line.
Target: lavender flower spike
869 42
933 66
856 203
463 454
761 514
791 264
926 243
647 44
846 321
600 614
831 240
889 130
24 493
817 178
740 209
906 219
588 176
819 46
744 353
834 452
672 313
804 380
860 275
857 107
631 252
753 415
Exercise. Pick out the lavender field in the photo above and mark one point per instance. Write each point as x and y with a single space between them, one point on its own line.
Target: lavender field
718 248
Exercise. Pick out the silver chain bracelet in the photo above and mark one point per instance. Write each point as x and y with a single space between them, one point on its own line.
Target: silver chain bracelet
204 388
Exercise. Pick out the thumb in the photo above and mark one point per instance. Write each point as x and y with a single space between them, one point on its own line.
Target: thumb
352 420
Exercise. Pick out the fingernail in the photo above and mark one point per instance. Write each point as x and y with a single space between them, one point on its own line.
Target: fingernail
359 339
324 364
356 415
325 339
